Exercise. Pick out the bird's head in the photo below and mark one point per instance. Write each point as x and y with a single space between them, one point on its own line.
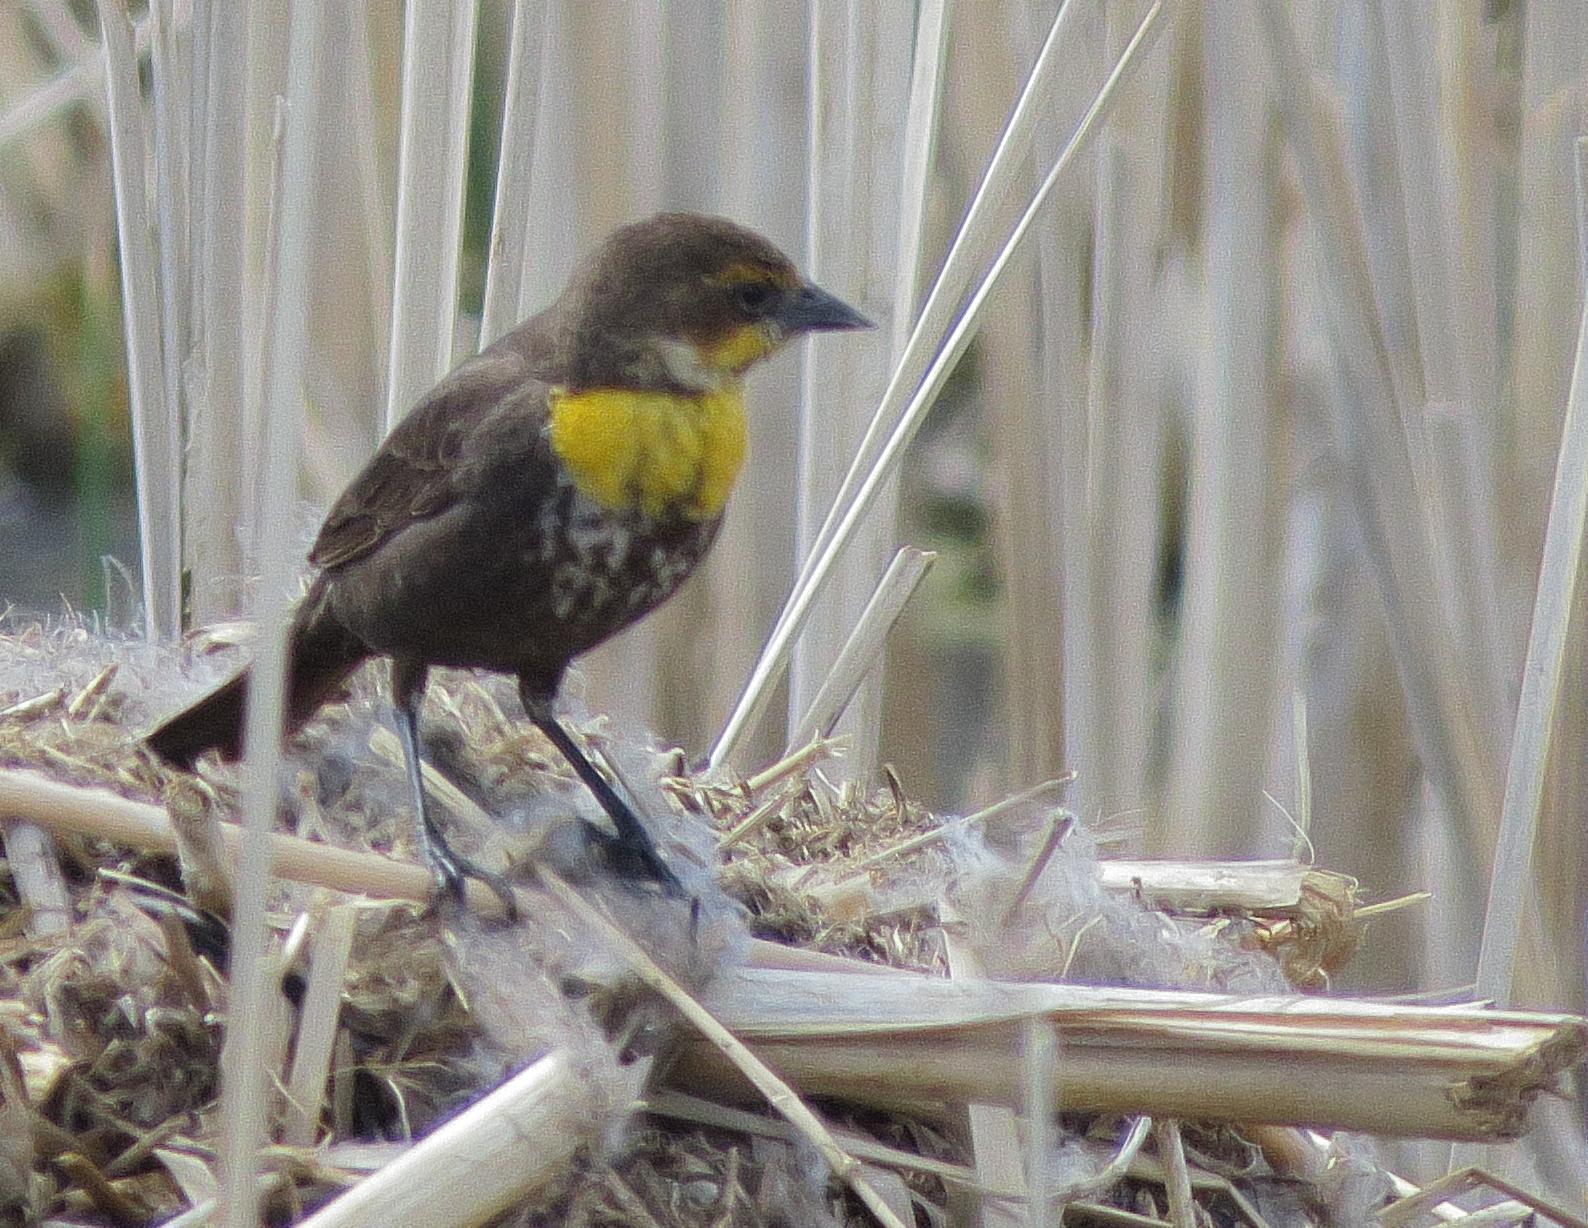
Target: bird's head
687 302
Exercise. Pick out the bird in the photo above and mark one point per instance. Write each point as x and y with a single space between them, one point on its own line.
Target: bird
553 489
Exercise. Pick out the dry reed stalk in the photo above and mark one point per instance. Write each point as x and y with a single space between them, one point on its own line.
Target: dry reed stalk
1437 1198
1458 410
37 878
1171 1149
1126 426
243 1101
876 475
259 324
901 1041
1065 245
499 1151
1511 881
680 1106
995 1149
754 821
976 236
65 809
892 1192
1123 456
171 81
510 219
832 252
196 168
1386 62
1040 1056
264 99
1368 436
1360 763
927 61
276 1025
791 764
1581 158
1561 843
1032 676
1374 453
1024 529
1369 153
777 955
1237 469
30 852
1269 887
375 204
862 652
155 431
318 1020
561 232
214 483
1475 106
857 93
1273 890
438 69
1552 114
1307 919
99 814
209 867
1563 894
757 145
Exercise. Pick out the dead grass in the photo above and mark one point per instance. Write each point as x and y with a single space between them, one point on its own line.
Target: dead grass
111 1029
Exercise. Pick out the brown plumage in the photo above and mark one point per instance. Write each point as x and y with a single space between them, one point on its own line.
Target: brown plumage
468 540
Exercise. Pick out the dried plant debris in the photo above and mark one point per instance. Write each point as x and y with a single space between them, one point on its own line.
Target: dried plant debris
391 1017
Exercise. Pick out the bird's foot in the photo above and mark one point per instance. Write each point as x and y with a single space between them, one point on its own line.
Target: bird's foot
642 866
635 865
452 873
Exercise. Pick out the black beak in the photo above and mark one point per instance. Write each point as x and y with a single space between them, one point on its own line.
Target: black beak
809 309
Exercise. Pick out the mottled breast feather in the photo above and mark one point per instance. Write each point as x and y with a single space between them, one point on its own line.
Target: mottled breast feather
535 570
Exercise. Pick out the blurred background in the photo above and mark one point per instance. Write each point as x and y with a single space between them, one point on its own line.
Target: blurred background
1238 495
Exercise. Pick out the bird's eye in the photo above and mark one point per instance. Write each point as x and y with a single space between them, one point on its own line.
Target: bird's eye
754 297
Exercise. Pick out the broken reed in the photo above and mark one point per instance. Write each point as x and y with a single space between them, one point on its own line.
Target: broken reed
905 1040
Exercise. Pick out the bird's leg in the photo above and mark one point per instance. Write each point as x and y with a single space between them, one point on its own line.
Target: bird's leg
450 869
634 850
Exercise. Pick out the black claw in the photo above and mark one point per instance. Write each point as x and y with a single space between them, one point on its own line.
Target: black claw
631 853
634 865
694 921
453 872
646 863
449 883
504 892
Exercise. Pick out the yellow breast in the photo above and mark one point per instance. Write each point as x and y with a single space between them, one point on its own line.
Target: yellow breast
659 452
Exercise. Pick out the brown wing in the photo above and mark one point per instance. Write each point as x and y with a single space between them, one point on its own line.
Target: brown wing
416 471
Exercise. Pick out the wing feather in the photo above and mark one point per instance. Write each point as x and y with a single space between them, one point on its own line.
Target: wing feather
417 471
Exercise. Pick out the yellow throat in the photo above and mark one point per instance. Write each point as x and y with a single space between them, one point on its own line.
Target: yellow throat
662 453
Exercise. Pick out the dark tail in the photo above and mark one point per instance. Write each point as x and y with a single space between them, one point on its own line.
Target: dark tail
322 655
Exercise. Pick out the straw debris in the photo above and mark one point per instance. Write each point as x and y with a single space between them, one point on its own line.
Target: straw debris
620 1039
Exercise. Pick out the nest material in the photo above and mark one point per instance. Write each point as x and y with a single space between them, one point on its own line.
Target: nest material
110 1030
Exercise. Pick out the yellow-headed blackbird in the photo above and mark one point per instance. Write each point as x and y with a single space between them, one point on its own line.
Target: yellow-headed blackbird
548 493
